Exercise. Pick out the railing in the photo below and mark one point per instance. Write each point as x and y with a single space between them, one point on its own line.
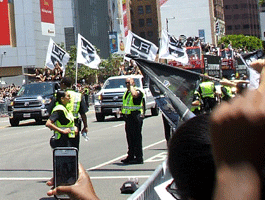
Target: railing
4 108
147 191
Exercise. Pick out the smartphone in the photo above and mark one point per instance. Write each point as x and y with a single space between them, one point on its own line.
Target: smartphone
65 167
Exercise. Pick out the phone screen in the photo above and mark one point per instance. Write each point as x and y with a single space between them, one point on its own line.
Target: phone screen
65 166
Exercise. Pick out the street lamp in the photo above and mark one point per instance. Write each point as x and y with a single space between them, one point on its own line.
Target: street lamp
167 21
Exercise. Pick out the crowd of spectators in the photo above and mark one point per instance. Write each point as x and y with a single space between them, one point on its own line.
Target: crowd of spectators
8 92
47 74
129 68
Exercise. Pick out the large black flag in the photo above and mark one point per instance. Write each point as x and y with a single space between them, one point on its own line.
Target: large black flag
173 87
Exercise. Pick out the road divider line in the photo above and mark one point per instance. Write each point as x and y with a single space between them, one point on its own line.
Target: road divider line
120 157
92 177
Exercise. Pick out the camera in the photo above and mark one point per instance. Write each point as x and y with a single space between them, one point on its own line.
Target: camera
65 167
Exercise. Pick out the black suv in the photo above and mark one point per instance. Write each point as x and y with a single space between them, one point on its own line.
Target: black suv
32 102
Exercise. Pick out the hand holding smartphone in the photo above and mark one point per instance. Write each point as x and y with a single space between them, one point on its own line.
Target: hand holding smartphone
65 167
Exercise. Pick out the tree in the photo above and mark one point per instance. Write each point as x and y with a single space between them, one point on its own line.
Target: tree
242 42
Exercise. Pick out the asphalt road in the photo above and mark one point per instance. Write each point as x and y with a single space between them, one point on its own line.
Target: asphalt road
26 157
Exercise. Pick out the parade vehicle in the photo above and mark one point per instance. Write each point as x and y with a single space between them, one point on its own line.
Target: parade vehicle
108 100
32 102
196 60
228 63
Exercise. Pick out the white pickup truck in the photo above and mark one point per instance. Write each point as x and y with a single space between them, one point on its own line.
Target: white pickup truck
108 100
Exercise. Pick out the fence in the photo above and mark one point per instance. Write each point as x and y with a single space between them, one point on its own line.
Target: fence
4 108
147 191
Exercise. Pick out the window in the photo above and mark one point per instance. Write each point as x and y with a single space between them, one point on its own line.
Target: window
149 22
228 17
244 16
229 27
227 7
142 34
150 34
141 22
140 10
237 26
246 26
263 34
148 9
236 16
244 5
235 6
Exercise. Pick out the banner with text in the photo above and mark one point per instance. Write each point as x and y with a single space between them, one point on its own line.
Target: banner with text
47 17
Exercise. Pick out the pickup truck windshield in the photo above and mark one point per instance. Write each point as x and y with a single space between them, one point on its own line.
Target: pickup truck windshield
119 83
36 89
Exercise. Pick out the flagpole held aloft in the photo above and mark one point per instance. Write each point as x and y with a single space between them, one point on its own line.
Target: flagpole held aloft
76 69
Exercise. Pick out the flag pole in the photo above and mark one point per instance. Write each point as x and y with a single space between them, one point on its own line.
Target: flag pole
76 68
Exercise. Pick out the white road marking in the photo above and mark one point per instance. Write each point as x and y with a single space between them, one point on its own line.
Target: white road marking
118 125
118 158
92 177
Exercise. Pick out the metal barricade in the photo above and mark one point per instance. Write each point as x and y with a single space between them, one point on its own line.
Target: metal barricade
147 191
4 108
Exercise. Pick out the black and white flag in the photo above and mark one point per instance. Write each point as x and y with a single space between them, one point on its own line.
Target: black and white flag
56 54
172 49
140 47
254 76
86 53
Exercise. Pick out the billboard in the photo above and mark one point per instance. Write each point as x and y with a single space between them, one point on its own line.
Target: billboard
47 17
4 23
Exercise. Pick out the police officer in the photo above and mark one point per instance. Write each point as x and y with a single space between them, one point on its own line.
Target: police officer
133 110
196 103
207 92
76 105
61 122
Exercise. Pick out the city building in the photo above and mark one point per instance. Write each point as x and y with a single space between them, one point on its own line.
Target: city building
262 21
145 19
242 17
27 26
194 18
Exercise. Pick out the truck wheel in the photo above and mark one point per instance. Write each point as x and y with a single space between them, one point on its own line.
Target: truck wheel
14 122
155 111
100 117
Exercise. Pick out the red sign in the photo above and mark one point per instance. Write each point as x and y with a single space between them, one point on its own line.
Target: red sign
4 23
46 10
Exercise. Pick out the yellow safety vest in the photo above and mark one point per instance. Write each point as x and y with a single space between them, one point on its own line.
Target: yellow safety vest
228 90
70 125
128 105
74 105
207 89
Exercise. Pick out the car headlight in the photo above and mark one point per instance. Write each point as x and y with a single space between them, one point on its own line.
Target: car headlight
46 101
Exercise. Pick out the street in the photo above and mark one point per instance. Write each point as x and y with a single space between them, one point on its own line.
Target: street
26 157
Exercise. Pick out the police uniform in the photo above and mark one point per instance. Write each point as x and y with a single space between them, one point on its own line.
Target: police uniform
207 92
132 110
76 105
63 119
226 93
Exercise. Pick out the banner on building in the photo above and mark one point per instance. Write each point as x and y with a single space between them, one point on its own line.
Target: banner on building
140 47
172 49
113 42
4 23
47 17
86 53
56 54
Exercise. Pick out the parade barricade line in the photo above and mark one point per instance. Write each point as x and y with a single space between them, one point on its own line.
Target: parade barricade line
147 191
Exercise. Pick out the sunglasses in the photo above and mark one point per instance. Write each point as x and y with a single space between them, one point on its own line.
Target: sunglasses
127 82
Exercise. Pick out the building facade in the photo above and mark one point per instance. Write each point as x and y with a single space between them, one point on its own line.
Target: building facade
145 19
242 17
262 21
29 26
194 18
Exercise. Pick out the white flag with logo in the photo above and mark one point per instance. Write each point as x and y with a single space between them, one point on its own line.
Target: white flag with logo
56 54
86 53
140 47
171 49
